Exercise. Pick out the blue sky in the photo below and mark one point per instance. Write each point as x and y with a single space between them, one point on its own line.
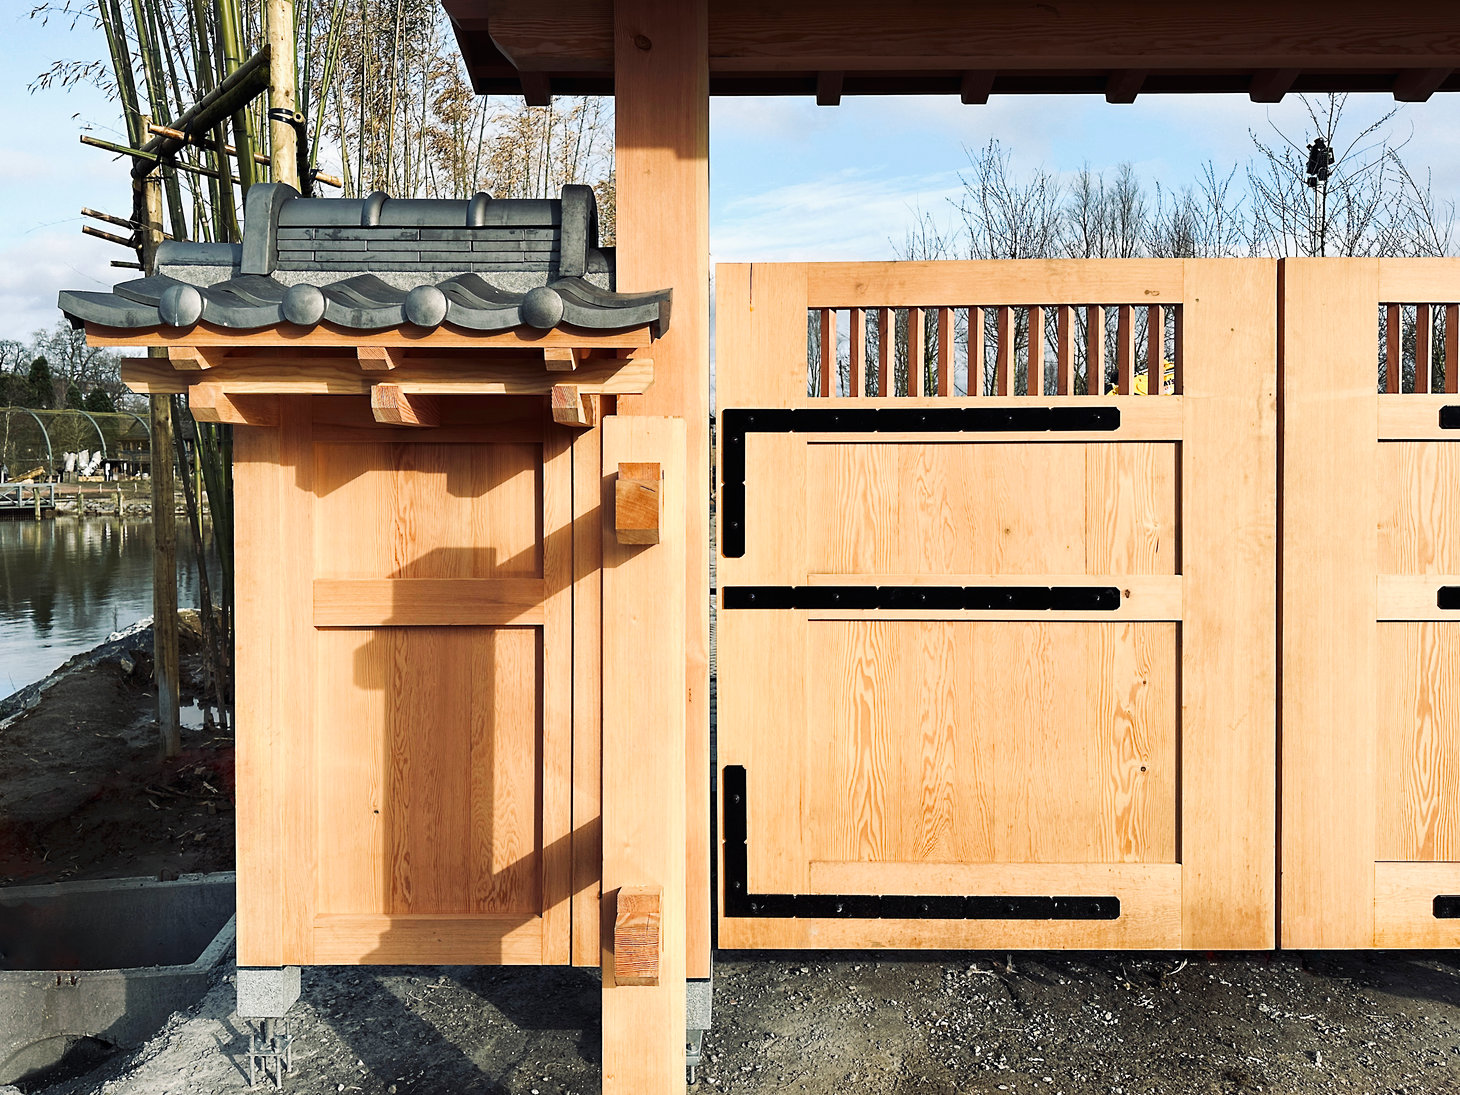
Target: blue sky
789 179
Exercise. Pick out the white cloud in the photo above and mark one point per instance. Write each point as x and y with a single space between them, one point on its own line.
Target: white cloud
34 268
843 216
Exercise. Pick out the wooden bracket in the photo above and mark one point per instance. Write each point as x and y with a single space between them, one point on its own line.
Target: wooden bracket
194 358
561 359
638 503
637 935
210 403
380 358
394 407
572 407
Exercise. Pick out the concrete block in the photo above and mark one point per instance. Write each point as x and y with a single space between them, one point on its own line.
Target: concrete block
267 992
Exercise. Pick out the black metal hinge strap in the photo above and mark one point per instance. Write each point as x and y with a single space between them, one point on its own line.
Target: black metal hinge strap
739 901
1450 418
1448 597
1447 906
736 423
983 598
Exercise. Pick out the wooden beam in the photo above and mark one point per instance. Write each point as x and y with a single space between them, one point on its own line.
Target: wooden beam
638 935
316 374
537 89
638 503
560 359
769 48
389 404
1124 85
195 358
661 148
829 88
380 358
1269 85
976 86
210 403
1416 85
573 407
643 775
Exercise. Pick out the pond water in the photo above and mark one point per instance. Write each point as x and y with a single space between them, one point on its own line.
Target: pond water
66 584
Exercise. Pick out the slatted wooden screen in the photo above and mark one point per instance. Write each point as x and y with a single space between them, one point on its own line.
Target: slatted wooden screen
1371 604
405 688
995 647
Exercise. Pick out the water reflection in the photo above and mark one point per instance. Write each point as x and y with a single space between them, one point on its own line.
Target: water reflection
68 583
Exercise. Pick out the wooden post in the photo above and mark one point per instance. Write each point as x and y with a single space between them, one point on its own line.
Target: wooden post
662 126
164 522
643 807
283 140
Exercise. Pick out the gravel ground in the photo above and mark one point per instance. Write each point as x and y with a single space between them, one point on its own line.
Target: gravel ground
954 1024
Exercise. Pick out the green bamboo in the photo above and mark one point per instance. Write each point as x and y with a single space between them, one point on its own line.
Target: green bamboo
233 52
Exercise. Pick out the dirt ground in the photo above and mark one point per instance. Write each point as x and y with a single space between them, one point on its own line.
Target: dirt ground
84 794
84 790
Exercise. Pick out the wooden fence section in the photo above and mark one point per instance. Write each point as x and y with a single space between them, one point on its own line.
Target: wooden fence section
1371 604
996 658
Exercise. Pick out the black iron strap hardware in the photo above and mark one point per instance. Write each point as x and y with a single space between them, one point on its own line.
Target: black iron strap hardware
955 598
739 901
1448 597
1447 906
1450 418
736 423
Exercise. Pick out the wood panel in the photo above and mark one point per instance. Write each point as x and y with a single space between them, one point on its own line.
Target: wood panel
984 743
1417 805
1419 521
500 940
1329 635
1229 562
643 804
990 282
996 508
419 602
662 162
588 496
1404 895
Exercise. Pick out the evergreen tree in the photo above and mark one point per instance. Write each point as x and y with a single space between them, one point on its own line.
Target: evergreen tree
74 399
99 402
42 392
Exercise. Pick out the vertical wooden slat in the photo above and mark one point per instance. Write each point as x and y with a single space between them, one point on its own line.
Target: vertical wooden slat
1178 350
587 692
916 351
1155 350
1228 495
1393 359
1095 349
557 693
885 337
1065 354
975 351
643 760
857 339
1452 348
945 351
1422 347
1125 349
1004 359
662 153
828 350
1330 552
1035 383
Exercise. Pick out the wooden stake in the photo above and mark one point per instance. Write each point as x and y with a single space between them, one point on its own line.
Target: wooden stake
283 141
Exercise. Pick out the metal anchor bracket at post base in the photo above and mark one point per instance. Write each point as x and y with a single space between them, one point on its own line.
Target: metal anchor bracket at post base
643 780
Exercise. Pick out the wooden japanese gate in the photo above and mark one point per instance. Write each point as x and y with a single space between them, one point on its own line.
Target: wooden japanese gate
997 670
1371 604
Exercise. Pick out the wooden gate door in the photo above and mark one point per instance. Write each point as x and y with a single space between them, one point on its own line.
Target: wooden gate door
404 786
1371 603
996 661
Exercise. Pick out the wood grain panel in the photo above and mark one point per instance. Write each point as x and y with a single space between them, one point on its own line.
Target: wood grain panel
1417 814
997 282
1228 496
588 490
1329 642
1419 520
984 742
417 602
501 940
1404 895
1414 417
1414 596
